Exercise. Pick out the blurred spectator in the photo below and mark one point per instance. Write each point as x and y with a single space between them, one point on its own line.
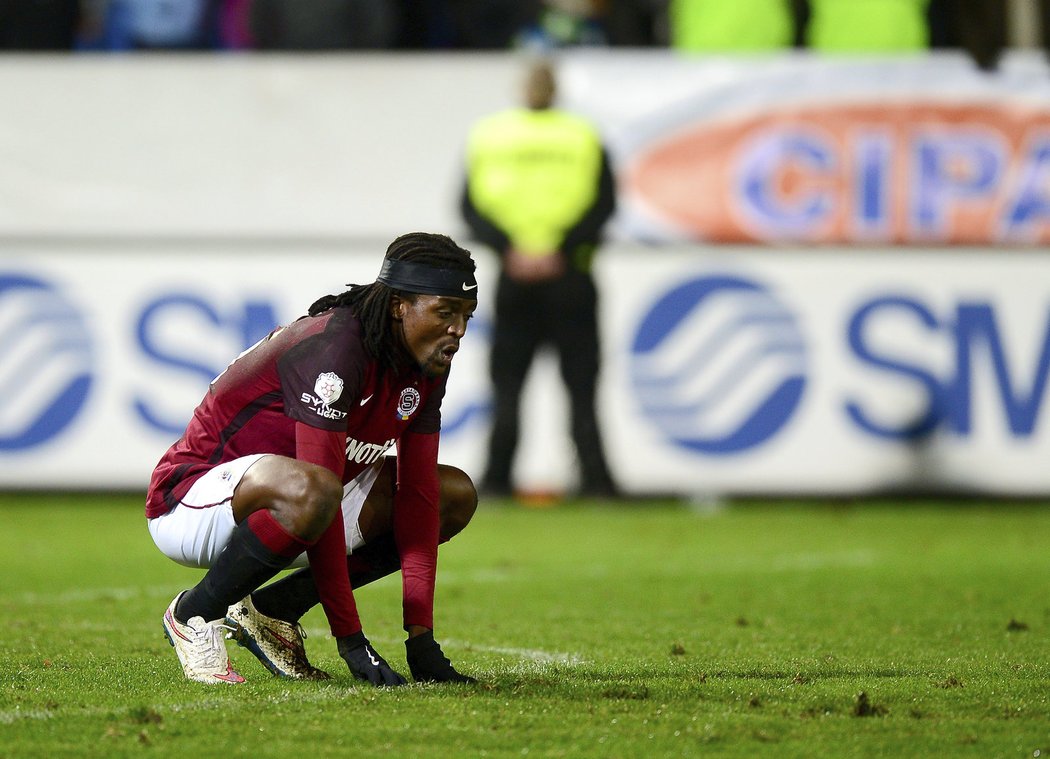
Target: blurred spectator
565 23
426 24
867 26
325 24
981 27
491 24
464 24
976 26
740 26
233 24
637 23
39 24
148 25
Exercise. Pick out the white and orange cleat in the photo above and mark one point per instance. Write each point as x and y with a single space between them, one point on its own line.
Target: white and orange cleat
200 647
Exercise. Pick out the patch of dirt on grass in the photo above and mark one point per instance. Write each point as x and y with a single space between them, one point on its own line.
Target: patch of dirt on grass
862 707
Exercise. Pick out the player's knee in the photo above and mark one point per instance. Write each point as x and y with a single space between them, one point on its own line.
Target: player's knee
316 494
459 501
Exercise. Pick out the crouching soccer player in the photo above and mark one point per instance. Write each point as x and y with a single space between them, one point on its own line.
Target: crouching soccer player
282 465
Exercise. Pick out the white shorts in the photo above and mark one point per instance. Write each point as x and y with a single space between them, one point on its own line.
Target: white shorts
199 527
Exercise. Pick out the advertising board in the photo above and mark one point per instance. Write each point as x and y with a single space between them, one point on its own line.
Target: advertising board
726 370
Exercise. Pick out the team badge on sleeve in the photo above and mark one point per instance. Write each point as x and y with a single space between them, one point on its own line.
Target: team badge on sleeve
329 387
407 403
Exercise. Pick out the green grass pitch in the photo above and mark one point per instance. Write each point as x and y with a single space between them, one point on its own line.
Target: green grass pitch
597 630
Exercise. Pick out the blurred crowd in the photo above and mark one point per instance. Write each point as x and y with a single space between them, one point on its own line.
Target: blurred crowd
977 26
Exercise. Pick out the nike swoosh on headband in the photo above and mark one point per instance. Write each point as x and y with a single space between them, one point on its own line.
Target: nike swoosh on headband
412 277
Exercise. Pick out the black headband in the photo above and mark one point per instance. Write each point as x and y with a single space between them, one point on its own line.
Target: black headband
428 280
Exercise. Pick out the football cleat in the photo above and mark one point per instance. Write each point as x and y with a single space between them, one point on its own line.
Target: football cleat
276 643
200 648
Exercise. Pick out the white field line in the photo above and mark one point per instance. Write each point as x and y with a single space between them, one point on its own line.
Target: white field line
525 655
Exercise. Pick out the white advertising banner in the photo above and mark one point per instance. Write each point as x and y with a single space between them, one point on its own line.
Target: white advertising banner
832 371
727 370
794 147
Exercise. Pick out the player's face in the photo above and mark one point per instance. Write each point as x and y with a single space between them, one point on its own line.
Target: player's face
432 326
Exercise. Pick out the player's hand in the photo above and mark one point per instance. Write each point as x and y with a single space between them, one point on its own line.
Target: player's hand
364 663
428 664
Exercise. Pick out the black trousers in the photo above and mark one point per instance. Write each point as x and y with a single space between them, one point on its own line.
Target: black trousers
562 313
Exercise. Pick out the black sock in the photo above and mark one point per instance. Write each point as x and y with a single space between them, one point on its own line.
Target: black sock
288 598
291 597
373 561
243 565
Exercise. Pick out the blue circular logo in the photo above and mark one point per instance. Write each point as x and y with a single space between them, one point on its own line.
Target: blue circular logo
46 373
718 364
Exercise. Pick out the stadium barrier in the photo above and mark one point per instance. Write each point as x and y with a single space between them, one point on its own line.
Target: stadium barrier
888 331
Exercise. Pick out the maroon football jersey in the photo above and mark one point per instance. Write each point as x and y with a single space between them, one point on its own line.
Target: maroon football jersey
315 371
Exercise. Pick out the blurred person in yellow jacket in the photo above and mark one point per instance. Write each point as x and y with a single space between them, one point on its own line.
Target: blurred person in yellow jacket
827 26
731 26
868 26
539 189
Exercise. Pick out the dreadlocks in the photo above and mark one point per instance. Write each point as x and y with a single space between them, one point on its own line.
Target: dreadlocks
371 303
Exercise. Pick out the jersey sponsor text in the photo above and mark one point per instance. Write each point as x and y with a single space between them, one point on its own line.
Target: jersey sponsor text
321 408
366 453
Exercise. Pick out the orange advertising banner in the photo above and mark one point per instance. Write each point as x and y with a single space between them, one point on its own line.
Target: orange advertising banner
925 151
896 173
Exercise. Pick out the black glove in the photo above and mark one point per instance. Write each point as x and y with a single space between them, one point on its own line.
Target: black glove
365 663
428 664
